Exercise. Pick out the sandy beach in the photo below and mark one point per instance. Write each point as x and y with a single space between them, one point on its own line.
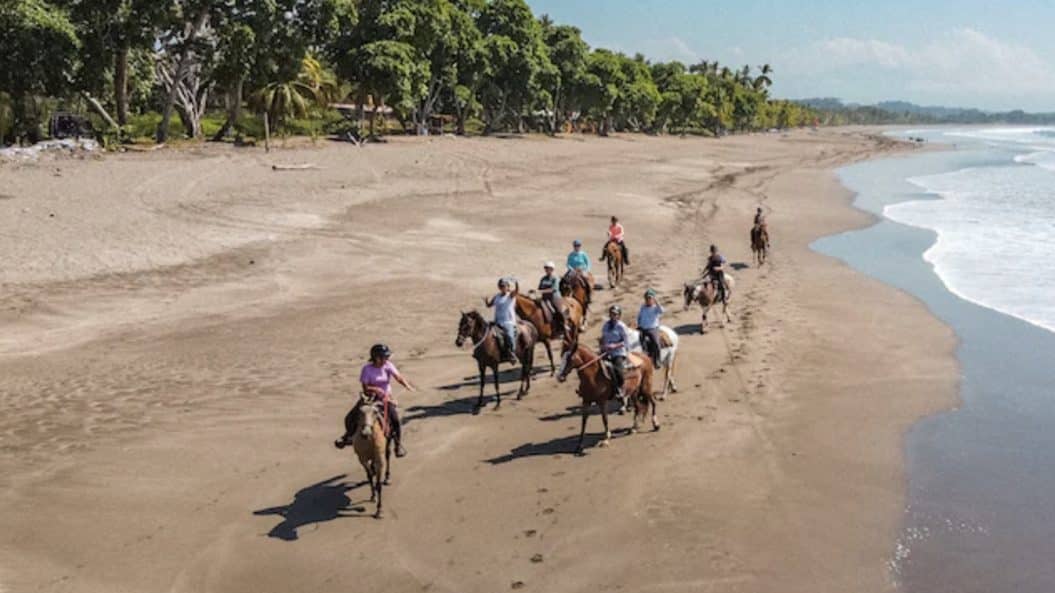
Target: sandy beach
183 330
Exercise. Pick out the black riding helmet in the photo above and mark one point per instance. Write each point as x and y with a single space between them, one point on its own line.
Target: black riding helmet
615 309
380 350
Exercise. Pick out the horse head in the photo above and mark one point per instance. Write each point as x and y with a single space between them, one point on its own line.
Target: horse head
368 413
568 355
466 326
689 293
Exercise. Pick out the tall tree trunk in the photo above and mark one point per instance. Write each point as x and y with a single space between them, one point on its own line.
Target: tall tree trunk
234 110
181 69
121 84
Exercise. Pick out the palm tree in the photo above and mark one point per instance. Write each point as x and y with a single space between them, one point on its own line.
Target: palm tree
315 85
763 81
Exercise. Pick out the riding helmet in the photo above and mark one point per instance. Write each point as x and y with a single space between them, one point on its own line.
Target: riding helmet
615 309
380 350
549 265
714 248
650 293
502 282
576 243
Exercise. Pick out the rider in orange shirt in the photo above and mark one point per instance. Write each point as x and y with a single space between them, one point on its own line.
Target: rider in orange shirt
615 233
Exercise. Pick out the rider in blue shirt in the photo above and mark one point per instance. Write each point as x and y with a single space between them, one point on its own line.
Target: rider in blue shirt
577 259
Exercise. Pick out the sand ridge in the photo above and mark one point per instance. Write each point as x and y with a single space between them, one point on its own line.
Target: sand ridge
182 338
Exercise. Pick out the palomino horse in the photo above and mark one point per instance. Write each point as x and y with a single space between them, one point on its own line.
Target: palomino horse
760 243
578 285
596 387
372 446
488 353
614 257
668 355
706 294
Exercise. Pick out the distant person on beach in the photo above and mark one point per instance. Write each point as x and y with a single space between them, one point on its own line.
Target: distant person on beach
615 235
376 381
504 304
760 219
577 259
716 270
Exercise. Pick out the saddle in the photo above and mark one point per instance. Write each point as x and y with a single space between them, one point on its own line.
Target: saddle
633 365
664 340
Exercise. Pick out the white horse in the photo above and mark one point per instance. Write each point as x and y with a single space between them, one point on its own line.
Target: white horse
667 356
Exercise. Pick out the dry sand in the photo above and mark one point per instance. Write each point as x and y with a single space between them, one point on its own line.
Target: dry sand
182 333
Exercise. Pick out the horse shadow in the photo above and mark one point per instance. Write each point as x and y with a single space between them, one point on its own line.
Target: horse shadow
451 407
739 266
688 329
569 412
321 502
559 446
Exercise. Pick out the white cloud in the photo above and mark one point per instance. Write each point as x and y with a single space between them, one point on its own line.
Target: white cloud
962 62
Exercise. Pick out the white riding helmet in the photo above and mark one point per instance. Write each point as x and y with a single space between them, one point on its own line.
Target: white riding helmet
549 265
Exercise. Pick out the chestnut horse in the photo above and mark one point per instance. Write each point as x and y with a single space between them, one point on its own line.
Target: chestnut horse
530 309
372 446
578 285
596 387
488 353
614 257
706 294
760 243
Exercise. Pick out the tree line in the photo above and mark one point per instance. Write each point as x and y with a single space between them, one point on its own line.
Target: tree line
487 64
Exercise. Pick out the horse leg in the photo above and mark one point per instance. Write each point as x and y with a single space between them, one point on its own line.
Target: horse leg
549 353
498 394
370 478
380 485
655 418
607 433
483 381
671 364
388 460
582 429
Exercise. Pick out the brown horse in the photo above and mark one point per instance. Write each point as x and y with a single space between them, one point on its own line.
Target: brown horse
760 243
596 387
614 257
578 285
488 353
372 446
530 309
706 294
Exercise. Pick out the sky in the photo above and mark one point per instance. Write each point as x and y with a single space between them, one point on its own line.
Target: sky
966 53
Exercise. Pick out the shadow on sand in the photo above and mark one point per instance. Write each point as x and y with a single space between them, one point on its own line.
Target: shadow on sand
688 329
324 501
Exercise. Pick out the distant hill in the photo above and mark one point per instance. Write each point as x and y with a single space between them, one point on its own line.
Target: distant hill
835 111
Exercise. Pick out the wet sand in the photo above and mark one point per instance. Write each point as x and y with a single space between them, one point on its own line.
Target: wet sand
183 336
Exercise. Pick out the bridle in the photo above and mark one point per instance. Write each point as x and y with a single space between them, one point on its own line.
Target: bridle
567 367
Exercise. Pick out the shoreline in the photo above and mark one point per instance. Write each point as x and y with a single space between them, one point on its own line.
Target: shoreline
199 426
961 531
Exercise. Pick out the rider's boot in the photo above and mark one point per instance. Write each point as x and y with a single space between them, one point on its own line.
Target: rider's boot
400 450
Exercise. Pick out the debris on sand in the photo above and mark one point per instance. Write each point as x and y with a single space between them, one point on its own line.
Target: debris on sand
66 146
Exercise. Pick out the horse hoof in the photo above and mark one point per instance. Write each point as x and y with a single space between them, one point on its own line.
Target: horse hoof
379 515
655 428
387 481
633 430
604 443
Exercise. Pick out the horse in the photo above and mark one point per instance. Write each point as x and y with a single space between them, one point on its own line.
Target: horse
488 353
372 446
760 243
614 257
596 386
578 285
706 294
530 309
668 355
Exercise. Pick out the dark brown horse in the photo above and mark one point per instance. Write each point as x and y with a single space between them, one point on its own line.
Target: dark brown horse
614 256
530 309
578 285
488 353
596 387
760 243
372 446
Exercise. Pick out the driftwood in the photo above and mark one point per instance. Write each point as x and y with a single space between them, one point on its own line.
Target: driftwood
304 167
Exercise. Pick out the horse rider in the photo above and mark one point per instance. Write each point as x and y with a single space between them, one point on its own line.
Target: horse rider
760 219
648 317
577 259
716 271
615 336
376 380
549 291
615 234
504 303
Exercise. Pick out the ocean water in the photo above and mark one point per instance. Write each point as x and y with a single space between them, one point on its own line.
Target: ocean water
968 232
995 223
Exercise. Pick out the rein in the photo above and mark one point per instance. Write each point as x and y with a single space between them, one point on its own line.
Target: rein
487 333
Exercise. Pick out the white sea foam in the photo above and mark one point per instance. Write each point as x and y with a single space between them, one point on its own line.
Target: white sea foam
996 232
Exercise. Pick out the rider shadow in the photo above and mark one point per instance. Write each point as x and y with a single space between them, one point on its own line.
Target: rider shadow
452 407
324 501
739 266
561 446
569 412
